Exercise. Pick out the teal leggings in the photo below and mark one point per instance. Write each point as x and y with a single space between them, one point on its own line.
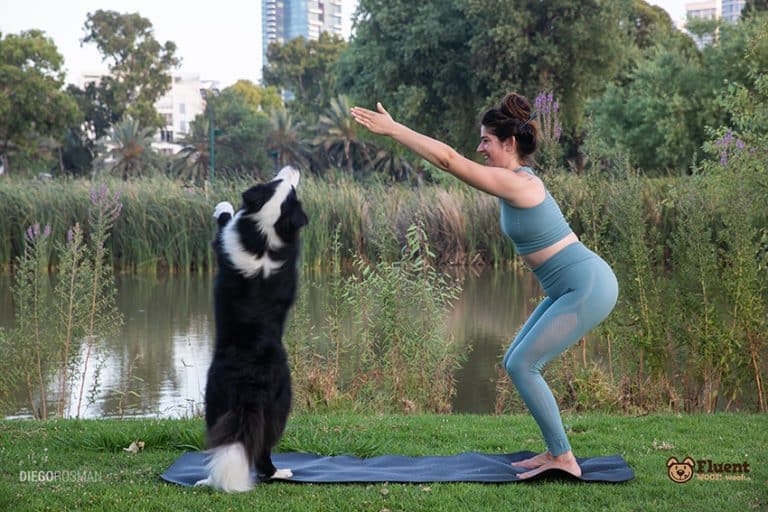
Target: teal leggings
581 291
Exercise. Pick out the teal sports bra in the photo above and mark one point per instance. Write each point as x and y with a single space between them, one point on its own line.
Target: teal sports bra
535 228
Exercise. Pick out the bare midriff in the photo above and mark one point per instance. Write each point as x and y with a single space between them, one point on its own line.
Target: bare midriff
536 258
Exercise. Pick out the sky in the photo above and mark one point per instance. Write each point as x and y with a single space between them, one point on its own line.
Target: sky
675 8
219 40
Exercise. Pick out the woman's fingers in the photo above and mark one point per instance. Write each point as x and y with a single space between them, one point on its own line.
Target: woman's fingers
377 122
364 116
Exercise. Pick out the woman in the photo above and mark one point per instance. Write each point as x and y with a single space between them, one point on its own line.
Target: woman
580 287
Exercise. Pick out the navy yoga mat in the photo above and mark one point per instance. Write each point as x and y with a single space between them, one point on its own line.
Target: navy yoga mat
464 467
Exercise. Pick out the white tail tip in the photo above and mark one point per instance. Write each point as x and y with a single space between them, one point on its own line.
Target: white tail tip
228 469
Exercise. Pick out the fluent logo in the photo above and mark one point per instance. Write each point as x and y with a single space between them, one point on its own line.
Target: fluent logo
683 471
680 472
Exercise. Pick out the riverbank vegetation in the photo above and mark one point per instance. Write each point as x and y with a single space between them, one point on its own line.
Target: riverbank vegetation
690 253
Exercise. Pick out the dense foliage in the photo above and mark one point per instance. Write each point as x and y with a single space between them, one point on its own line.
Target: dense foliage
622 74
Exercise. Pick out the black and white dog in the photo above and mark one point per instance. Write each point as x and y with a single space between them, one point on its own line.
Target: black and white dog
248 392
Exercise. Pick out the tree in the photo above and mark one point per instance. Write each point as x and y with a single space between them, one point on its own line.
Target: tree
241 141
661 109
438 64
659 116
258 99
646 21
32 104
753 7
570 47
139 65
128 149
285 141
192 162
241 129
97 104
306 69
338 139
414 58
393 164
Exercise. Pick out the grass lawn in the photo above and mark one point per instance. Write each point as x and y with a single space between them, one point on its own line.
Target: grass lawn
120 480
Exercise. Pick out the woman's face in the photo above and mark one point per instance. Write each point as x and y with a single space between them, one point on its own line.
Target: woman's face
495 152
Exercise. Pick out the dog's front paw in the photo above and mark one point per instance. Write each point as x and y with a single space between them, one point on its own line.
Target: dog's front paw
223 207
282 474
205 482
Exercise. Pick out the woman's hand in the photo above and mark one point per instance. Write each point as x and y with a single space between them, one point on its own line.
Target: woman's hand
377 122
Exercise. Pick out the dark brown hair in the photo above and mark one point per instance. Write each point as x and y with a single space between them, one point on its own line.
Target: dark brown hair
513 119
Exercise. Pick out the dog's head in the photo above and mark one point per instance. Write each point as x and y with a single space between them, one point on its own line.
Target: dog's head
275 208
257 237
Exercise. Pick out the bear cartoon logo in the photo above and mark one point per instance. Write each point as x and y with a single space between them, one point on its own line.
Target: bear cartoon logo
680 472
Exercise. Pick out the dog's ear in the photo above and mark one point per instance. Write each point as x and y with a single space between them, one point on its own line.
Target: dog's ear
255 197
672 461
689 461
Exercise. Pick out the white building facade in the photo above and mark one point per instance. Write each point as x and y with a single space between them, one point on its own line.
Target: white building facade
178 107
728 10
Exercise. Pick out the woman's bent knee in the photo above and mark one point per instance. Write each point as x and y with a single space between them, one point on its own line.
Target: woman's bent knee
517 366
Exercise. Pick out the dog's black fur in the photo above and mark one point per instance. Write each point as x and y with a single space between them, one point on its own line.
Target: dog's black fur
248 392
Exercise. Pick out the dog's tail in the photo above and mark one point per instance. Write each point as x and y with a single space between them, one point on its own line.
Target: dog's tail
235 440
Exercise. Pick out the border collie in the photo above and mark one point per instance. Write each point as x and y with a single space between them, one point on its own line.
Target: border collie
248 392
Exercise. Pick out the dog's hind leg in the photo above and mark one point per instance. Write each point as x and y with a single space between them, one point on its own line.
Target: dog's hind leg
282 474
265 467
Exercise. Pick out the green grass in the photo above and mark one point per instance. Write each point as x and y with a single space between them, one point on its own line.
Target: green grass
127 481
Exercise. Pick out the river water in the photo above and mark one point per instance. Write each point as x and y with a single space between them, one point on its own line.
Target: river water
156 365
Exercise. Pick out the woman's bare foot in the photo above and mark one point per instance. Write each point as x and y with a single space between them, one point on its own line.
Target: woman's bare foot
564 462
534 462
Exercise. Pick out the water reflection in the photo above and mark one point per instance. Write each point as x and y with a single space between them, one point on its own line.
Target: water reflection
156 366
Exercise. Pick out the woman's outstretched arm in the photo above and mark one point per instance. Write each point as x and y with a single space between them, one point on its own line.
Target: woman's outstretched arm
493 180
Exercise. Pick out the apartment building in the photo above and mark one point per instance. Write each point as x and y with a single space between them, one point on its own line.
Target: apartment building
728 10
283 20
178 107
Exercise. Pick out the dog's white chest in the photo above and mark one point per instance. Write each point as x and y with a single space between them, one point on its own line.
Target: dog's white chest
249 264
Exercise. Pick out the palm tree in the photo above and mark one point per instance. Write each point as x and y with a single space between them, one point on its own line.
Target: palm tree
336 134
395 165
192 162
285 141
127 149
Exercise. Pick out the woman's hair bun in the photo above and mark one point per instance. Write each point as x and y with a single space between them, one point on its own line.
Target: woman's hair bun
515 105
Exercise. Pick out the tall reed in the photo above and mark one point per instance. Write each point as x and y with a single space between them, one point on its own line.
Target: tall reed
389 359
52 326
695 309
689 252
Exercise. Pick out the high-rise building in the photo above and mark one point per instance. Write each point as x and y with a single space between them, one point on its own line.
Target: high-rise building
731 9
283 20
728 10
707 10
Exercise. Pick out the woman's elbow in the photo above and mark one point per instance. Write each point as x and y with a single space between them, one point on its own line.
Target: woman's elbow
448 161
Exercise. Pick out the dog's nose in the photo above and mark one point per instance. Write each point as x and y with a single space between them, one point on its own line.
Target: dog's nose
289 174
